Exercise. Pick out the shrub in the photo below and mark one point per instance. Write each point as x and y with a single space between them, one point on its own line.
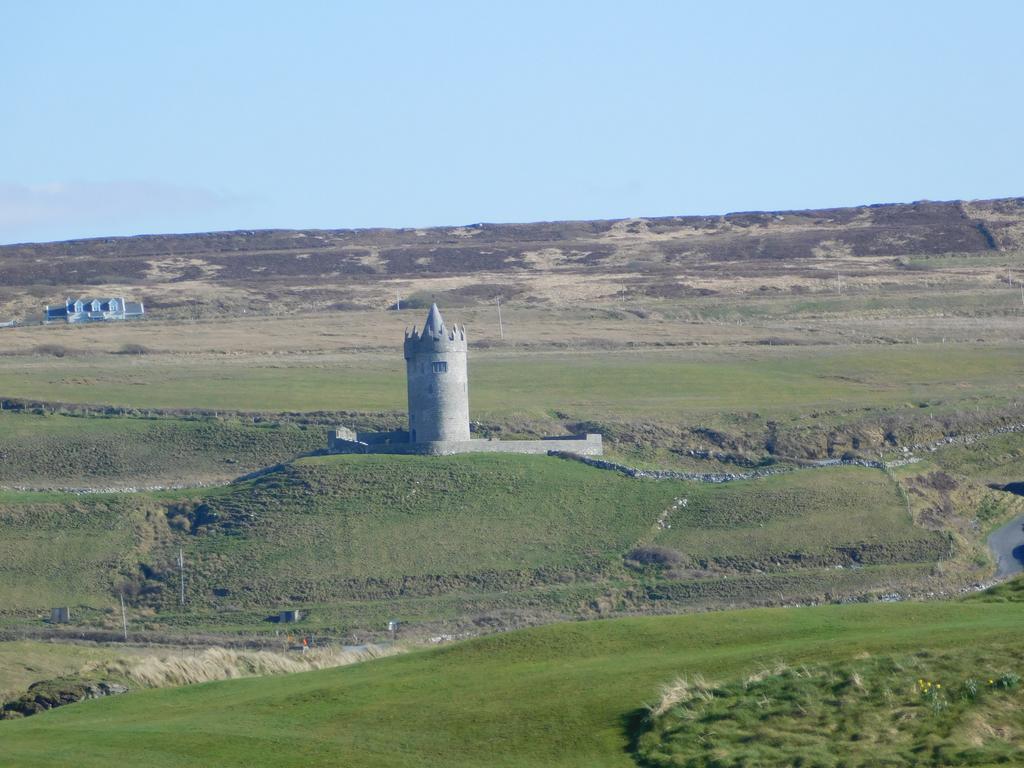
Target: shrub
1008 681
662 556
57 350
415 301
133 349
969 690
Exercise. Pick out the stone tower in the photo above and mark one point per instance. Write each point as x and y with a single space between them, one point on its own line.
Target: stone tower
435 366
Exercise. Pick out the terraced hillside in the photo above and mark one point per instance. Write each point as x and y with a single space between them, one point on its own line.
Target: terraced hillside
575 694
355 539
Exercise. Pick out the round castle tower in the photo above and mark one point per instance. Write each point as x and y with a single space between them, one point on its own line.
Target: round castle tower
435 366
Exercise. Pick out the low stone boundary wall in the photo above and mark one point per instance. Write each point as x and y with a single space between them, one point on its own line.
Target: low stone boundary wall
714 477
581 445
966 439
575 445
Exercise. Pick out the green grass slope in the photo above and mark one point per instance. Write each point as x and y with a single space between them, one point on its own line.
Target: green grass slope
362 536
57 549
561 695
841 516
359 537
996 459
61 451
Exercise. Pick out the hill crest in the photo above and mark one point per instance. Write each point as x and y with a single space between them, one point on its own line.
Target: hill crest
665 257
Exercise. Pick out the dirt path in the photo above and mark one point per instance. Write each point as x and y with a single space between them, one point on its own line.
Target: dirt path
1007 544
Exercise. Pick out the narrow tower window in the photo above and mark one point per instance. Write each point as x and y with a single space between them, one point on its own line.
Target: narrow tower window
439 367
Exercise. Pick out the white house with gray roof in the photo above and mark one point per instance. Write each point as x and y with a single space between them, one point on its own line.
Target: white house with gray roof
94 310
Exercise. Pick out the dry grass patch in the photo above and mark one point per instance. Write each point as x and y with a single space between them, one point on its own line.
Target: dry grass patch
204 666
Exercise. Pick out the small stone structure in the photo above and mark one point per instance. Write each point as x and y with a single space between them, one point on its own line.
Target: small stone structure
438 393
60 615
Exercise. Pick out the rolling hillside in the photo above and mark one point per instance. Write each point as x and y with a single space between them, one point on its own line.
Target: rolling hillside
355 540
539 263
562 695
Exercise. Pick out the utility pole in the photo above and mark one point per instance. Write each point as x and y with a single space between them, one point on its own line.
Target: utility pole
501 328
181 570
124 619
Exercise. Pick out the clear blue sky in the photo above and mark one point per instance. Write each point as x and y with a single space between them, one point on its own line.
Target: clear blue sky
136 117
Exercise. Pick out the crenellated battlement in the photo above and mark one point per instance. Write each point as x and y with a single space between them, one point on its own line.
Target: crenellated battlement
452 340
435 336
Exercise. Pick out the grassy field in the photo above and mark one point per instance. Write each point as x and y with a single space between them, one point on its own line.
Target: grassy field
354 538
55 450
62 550
996 459
845 515
667 384
561 695
372 526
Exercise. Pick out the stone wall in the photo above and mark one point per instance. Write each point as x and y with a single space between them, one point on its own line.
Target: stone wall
719 477
343 438
577 445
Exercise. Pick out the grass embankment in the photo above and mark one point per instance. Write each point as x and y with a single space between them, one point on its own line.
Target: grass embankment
955 708
60 451
358 537
842 516
996 459
57 549
23 662
957 488
561 695
56 674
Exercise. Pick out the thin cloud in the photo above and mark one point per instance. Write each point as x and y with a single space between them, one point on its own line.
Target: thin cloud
66 209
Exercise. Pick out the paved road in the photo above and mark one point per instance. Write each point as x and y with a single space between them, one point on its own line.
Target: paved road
1007 544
